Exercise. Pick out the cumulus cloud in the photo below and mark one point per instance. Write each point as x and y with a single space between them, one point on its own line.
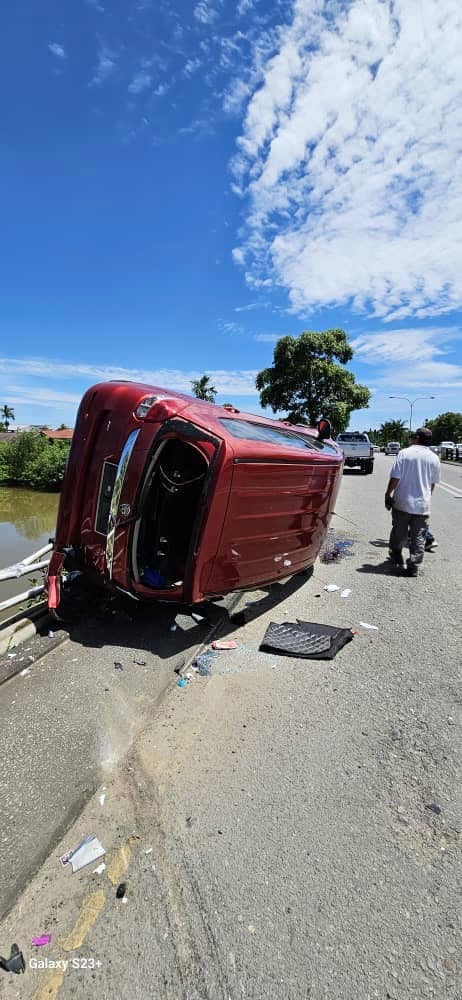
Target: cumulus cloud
205 13
57 50
141 81
347 155
191 66
107 61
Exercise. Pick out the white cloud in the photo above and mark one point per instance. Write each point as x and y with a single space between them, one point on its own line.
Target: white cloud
239 382
191 66
410 359
107 61
348 153
419 345
244 6
57 50
204 13
161 89
141 81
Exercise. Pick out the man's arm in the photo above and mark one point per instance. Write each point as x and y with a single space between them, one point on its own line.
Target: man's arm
391 486
394 480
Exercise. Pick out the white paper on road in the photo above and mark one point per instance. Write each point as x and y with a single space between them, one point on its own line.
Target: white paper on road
89 850
366 625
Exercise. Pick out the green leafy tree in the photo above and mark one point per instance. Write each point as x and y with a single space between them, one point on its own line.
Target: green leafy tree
63 427
31 460
202 388
446 427
7 414
394 430
305 379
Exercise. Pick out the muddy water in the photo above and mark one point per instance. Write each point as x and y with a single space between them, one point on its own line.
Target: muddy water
27 521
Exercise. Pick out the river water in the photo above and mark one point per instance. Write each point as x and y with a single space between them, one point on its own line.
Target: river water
27 522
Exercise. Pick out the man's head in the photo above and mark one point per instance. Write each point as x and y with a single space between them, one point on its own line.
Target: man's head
422 435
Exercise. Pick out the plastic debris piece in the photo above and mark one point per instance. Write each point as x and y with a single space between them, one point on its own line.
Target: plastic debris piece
15 963
40 941
203 662
197 617
189 677
366 625
331 587
121 890
182 683
307 640
100 869
140 663
102 798
51 634
179 665
224 644
117 665
11 655
148 850
90 849
173 627
25 672
346 592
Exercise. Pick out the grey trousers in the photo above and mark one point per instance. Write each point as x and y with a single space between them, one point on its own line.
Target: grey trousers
414 525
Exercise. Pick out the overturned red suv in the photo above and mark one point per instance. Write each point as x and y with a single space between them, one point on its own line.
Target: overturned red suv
169 498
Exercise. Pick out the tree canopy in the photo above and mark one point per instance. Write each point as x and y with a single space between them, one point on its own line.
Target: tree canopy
446 427
203 389
394 430
7 414
306 380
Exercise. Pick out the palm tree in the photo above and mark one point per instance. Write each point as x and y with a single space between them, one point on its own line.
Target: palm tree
7 414
203 390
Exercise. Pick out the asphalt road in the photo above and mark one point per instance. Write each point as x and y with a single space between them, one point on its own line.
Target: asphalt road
66 723
287 828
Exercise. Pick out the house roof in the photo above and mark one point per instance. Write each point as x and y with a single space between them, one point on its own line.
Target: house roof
64 435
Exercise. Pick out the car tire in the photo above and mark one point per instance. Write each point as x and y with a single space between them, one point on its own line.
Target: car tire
369 468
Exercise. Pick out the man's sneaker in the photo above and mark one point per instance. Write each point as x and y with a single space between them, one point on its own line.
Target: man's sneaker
431 546
411 569
396 557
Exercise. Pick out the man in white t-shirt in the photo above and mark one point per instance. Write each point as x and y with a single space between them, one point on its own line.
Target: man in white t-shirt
413 478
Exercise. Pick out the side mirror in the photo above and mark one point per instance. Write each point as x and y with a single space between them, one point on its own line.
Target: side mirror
324 429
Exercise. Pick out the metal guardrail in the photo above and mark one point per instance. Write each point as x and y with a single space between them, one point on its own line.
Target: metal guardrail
27 565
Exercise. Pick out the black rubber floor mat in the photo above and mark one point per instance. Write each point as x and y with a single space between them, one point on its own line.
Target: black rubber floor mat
308 640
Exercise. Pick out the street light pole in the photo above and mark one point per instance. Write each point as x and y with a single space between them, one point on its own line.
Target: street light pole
411 404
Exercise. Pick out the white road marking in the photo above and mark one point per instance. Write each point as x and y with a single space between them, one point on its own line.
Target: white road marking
452 490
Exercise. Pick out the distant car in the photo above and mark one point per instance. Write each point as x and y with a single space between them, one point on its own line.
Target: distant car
357 450
392 447
447 446
376 449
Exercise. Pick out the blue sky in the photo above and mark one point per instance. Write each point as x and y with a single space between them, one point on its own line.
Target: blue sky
184 183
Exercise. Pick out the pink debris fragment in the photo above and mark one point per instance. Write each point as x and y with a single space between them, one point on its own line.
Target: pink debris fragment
224 644
40 941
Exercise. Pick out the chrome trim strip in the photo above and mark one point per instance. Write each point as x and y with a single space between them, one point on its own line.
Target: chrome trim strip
118 484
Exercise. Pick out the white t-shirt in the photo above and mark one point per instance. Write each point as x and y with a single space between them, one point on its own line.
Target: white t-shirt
417 468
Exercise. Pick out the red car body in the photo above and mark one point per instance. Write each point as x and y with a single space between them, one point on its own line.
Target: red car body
170 498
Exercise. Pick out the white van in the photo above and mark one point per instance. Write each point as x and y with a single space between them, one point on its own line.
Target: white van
392 448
